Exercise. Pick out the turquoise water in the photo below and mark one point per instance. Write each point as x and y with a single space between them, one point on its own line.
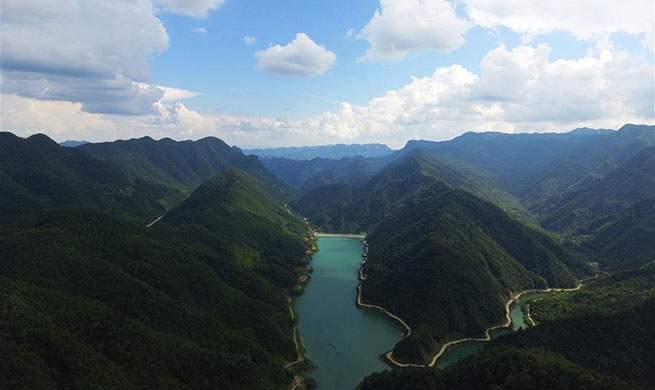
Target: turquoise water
345 342
460 351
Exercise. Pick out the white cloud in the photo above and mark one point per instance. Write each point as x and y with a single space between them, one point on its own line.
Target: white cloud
584 19
300 57
249 39
197 8
349 33
517 90
175 94
404 26
94 52
200 30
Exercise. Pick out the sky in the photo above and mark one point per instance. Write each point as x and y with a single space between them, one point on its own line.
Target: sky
291 73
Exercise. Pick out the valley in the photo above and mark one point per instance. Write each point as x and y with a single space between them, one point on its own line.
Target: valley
192 252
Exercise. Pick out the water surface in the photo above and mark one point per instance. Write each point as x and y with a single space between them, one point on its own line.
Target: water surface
462 350
345 342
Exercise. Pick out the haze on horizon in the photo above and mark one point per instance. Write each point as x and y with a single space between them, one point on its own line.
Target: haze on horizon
258 74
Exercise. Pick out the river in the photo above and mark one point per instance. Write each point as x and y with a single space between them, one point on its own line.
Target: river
344 341
462 350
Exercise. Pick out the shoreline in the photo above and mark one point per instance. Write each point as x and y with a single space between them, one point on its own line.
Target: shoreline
444 348
361 304
348 235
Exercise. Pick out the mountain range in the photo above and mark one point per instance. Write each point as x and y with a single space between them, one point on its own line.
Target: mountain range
162 264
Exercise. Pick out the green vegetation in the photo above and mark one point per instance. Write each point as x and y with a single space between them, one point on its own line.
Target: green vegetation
609 295
92 298
598 337
37 175
497 368
350 208
592 206
446 264
183 165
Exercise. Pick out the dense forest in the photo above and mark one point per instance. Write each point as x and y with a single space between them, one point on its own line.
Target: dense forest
165 264
601 336
92 298
447 264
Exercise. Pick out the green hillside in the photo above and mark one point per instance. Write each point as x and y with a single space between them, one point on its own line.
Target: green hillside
37 175
447 264
92 300
183 165
588 208
354 208
598 337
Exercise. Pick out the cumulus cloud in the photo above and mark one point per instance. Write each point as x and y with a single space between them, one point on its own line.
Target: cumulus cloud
301 57
517 89
171 94
584 19
404 26
249 39
197 8
93 52
200 30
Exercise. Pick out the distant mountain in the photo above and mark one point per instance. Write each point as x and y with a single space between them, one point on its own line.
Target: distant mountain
584 164
355 207
333 152
308 174
37 175
628 240
511 159
182 165
73 144
589 207
192 302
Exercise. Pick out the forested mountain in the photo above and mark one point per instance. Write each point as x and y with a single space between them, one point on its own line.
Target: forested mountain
628 240
250 222
182 165
92 298
37 175
308 174
441 258
333 152
510 159
588 208
585 164
598 337
447 263
353 208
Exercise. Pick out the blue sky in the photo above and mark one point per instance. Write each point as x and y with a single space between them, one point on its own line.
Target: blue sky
408 68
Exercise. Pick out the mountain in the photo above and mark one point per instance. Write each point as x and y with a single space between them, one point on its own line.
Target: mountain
352 208
441 257
501 368
626 241
568 349
333 152
182 165
510 159
591 206
37 175
585 164
73 144
447 263
318 172
196 301
250 221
